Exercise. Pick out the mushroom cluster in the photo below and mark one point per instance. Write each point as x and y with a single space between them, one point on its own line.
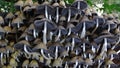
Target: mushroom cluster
48 34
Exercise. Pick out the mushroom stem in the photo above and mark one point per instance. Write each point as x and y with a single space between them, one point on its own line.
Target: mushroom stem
9 24
56 52
66 65
69 31
76 64
73 43
42 52
57 14
83 47
46 12
111 57
104 48
34 33
109 66
26 37
95 27
79 66
1 57
51 34
93 49
25 49
59 35
18 25
76 52
69 14
99 64
44 33
78 6
68 49
108 27
50 18
83 31
7 53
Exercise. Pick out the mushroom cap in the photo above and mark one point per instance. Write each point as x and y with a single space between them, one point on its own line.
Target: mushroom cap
82 4
13 62
40 23
63 30
9 15
77 39
33 63
65 11
57 62
25 63
16 21
19 4
1 20
110 39
42 9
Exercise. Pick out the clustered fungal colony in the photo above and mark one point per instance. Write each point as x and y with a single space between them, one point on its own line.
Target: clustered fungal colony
54 34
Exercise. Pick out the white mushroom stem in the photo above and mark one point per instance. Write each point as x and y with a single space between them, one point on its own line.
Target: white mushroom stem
42 52
8 53
118 51
66 65
0 37
86 66
83 33
104 47
26 37
108 27
51 35
1 57
76 52
45 33
76 64
69 14
56 52
109 65
69 31
111 57
26 66
99 64
68 48
59 35
79 66
34 33
25 49
18 25
78 6
83 47
93 49
9 24
46 12
73 43
95 27
57 14
50 18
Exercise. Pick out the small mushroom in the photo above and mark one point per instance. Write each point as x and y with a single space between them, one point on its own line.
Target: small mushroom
69 12
45 8
19 5
57 63
17 22
79 4
2 54
25 64
13 63
1 20
34 64
47 25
